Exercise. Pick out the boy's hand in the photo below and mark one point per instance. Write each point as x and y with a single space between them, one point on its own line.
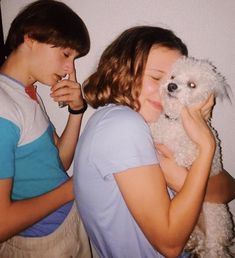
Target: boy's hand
68 91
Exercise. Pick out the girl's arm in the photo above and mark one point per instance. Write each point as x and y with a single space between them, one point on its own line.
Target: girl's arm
220 188
167 223
18 215
68 91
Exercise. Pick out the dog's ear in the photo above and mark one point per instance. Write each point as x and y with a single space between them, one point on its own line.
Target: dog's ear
217 81
222 90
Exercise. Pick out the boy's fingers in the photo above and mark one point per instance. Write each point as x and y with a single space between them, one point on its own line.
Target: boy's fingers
65 83
72 76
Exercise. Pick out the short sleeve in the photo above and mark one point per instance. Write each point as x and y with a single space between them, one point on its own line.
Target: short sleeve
122 140
9 137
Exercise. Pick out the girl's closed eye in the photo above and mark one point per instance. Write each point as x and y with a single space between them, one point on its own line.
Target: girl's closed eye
155 75
155 78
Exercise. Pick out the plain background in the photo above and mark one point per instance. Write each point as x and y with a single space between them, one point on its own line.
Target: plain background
206 26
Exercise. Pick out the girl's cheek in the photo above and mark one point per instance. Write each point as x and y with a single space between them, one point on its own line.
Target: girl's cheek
152 87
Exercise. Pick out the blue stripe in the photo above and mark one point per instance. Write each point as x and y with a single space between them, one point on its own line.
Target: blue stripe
9 137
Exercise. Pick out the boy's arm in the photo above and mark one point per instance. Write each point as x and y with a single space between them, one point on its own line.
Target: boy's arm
18 215
66 143
68 91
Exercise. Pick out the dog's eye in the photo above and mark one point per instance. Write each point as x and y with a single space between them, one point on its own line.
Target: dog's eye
172 77
191 85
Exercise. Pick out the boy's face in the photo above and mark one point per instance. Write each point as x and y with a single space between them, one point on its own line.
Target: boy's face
49 64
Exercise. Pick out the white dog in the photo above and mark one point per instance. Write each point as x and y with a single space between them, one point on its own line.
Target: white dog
192 81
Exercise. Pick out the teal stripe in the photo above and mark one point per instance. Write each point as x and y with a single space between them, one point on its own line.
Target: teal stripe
9 137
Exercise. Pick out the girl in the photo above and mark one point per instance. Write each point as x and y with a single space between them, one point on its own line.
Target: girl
120 187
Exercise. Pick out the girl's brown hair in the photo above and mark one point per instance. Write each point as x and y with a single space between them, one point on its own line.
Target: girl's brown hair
118 77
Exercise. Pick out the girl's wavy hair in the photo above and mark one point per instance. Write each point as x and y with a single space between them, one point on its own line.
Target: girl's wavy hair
51 22
118 77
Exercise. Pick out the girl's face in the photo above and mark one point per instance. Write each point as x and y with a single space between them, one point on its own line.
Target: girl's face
159 63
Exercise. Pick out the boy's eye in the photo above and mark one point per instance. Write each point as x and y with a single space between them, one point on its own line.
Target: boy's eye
66 54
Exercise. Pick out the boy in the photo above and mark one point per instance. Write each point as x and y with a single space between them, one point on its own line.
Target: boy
37 214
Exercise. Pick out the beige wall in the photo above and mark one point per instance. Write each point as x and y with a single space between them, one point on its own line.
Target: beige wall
206 26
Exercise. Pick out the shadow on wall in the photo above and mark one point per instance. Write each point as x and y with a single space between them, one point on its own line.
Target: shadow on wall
2 56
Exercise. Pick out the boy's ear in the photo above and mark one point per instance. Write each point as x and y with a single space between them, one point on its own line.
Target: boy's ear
28 40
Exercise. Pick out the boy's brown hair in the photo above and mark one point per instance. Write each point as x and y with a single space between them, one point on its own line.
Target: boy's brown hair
51 22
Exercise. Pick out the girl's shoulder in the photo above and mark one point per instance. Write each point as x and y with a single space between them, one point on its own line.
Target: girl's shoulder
120 114
118 119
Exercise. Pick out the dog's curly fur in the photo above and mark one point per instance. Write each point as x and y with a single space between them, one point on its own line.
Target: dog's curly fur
191 81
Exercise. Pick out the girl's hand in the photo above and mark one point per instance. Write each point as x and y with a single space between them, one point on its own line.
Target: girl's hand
220 188
193 119
69 92
174 174
206 109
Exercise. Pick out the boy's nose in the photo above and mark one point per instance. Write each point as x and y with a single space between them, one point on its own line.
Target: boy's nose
69 67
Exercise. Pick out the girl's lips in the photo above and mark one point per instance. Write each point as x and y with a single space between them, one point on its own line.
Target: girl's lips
156 104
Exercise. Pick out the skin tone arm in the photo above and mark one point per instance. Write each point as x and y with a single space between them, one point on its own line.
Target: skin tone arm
220 188
18 215
68 91
167 223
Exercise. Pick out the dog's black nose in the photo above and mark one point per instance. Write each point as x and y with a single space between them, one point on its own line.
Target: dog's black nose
172 87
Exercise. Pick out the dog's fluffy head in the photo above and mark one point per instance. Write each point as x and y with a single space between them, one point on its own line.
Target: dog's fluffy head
189 82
